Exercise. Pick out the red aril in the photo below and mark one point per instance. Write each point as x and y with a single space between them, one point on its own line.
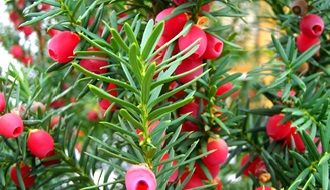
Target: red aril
219 156
194 33
2 102
174 25
16 51
94 65
189 125
61 46
176 172
213 169
187 65
194 181
11 125
304 42
312 25
214 47
224 88
140 177
40 143
104 104
28 180
275 129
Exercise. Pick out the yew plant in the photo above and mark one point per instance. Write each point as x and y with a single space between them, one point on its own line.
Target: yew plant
139 95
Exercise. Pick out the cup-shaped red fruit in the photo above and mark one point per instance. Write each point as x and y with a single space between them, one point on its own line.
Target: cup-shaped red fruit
40 143
27 30
275 129
52 32
111 89
179 2
174 25
219 156
194 33
28 180
61 46
27 60
265 188
92 115
251 168
140 177
299 7
16 51
94 64
194 181
214 47
213 169
2 102
51 162
299 143
187 65
189 125
176 172
11 125
15 18
224 88
312 25
304 42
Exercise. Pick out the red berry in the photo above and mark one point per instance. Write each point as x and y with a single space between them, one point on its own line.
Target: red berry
189 125
280 93
45 7
177 95
194 181
304 42
224 88
176 172
27 30
27 179
54 121
57 103
213 169
92 115
187 65
104 104
2 102
52 32
194 33
312 25
40 143
11 125
299 7
94 65
214 47
299 143
61 46
174 25
219 156
179 2
16 51
276 130
15 18
264 188
251 168
27 60
51 162
140 177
